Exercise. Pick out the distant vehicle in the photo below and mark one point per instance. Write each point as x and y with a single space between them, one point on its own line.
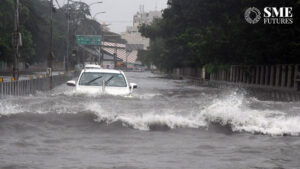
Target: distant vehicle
91 66
139 69
105 81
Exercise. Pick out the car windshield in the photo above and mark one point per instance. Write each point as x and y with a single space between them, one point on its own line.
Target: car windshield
97 79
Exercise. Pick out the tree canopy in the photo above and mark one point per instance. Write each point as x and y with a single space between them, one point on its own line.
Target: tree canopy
35 29
196 33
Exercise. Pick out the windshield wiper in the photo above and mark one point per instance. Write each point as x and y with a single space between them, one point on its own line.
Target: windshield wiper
93 80
106 82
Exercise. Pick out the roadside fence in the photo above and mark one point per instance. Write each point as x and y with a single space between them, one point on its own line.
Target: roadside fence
286 77
26 87
274 82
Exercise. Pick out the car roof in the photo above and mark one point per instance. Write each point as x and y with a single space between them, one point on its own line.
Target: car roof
103 71
92 66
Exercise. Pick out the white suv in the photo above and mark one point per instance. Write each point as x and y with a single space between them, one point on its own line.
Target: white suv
106 81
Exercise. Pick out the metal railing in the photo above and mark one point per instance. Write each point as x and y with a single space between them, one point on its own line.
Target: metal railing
26 87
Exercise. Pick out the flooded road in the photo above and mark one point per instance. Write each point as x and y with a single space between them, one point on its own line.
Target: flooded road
166 124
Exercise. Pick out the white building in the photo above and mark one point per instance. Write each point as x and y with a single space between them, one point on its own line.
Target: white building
132 35
134 39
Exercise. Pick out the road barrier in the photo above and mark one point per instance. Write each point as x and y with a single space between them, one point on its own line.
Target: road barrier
26 87
276 82
284 77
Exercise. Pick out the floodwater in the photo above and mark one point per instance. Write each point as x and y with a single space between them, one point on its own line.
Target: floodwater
166 124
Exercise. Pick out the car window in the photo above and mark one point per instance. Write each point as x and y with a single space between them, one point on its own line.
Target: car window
97 79
116 80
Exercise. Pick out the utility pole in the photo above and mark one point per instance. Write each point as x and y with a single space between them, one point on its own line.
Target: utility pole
50 56
115 55
127 60
66 59
102 47
100 53
16 41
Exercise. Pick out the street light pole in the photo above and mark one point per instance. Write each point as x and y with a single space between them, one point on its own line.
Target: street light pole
102 44
68 37
16 41
50 56
94 17
100 2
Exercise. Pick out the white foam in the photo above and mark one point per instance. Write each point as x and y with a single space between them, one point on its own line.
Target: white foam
7 109
82 94
146 120
145 96
234 111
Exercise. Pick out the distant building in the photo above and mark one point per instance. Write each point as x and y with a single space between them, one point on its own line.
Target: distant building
145 17
132 35
135 41
105 27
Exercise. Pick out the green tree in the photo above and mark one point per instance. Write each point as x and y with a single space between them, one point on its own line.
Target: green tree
6 16
202 32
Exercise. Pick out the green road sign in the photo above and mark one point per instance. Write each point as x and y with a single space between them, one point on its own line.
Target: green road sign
94 40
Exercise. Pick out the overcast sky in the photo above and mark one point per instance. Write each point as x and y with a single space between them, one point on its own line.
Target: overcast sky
119 13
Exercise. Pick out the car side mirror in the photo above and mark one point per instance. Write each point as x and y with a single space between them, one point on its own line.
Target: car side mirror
71 83
133 85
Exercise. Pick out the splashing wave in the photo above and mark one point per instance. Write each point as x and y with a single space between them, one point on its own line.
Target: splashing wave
232 110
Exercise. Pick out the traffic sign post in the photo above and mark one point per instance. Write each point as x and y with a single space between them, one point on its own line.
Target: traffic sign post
90 40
